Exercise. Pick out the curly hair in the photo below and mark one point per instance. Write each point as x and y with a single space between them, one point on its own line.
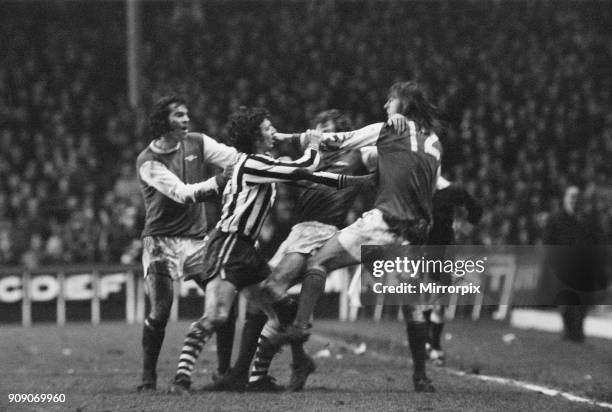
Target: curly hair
414 104
158 120
341 120
244 127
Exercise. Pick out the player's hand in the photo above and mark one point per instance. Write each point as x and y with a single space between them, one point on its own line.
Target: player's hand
314 137
331 144
228 171
223 178
399 123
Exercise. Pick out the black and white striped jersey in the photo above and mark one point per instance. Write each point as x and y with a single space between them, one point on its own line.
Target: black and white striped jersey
250 193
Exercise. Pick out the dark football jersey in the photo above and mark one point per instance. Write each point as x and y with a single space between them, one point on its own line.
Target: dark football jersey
408 166
325 204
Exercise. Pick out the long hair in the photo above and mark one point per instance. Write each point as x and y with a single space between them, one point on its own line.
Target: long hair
158 120
244 128
416 106
341 120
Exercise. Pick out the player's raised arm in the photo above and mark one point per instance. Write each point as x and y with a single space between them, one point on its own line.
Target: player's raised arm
157 175
259 169
366 136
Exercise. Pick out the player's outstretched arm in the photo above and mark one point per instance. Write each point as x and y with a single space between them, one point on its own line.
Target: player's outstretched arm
338 181
260 169
157 175
366 136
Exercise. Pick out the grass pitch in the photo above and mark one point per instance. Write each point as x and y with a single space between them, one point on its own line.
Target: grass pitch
97 368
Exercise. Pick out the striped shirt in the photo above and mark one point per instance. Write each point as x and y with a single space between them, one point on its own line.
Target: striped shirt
250 193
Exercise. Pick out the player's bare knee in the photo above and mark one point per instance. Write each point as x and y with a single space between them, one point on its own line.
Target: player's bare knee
219 318
202 324
282 276
219 313
160 315
156 323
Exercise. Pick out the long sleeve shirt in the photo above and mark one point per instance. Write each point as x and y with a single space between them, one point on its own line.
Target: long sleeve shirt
173 181
250 193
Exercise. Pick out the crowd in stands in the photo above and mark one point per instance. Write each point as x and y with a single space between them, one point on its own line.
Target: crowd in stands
525 87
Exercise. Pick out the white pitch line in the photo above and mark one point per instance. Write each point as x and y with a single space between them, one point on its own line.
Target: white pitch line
532 387
487 378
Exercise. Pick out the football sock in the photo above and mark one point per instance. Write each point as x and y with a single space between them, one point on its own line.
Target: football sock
435 330
263 359
192 346
153 333
253 326
297 352
225 342
417 337
312 287
285 309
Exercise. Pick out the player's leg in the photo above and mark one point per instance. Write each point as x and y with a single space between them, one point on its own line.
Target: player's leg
220 295
435 319
193 255
237 377
225 342
244 268
289 263
255 319
342 250
332 255
436 325
286 274
417 331
302 367
269 295
267 347
158 287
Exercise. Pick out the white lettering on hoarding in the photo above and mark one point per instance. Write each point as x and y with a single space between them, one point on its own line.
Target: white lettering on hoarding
44 288
77 287
10 289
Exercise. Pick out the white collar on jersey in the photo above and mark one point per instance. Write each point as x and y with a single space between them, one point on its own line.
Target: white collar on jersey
157 149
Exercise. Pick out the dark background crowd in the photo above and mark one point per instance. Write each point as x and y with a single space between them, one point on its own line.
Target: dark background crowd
525 86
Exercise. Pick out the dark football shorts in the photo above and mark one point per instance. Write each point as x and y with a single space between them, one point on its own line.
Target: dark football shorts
234 258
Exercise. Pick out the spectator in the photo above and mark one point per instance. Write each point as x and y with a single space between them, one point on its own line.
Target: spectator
575 261
529 107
